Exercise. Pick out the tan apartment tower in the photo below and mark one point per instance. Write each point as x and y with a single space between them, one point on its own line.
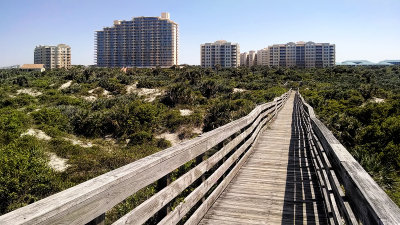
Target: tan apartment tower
252 58
223 53
53 56
262 57
140 42
244 59
249 58
302 54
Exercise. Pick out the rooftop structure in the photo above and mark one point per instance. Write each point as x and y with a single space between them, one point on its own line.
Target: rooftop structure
392 62
33 67
368 63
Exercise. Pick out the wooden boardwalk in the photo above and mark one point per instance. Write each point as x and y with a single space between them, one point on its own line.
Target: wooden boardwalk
281 177
277 184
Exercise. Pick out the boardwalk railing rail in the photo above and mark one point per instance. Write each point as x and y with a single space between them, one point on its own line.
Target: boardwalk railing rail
88 202
350 194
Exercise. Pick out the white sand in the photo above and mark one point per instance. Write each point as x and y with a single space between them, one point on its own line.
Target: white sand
65 85
378 100
79 142
197 130
236 90
90 98
106 93
174 138
92 90
185 112
110 139
57 163
150 93
29 91
171 137
37 133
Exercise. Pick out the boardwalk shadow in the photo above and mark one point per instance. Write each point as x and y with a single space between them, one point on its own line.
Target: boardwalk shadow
303 202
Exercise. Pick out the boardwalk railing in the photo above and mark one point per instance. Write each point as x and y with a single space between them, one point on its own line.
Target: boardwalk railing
218 155
350 194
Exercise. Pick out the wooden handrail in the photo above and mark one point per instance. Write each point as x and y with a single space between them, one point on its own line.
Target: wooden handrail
88 201
361 200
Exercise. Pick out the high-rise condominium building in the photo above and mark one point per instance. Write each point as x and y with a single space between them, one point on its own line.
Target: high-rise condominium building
248 58
244 59
53 56
301 54
263 57
223 53
252 58
140 42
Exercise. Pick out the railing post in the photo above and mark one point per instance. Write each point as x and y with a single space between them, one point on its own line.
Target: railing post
162 183
199 159
100 220
223 161
220 146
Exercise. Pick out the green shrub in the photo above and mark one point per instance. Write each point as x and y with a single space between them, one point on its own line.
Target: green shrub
21 100
24 174
147 83
12 124
224 112
64 148
162 143
21 81
52 117
94 124
173 120
179 94
210 87
140 138
112 84
43 82
73 89
134 117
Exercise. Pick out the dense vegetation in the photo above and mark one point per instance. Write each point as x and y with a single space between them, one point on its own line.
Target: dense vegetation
105 118
93 120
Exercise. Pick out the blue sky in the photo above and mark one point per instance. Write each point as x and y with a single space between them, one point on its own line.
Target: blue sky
361 29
